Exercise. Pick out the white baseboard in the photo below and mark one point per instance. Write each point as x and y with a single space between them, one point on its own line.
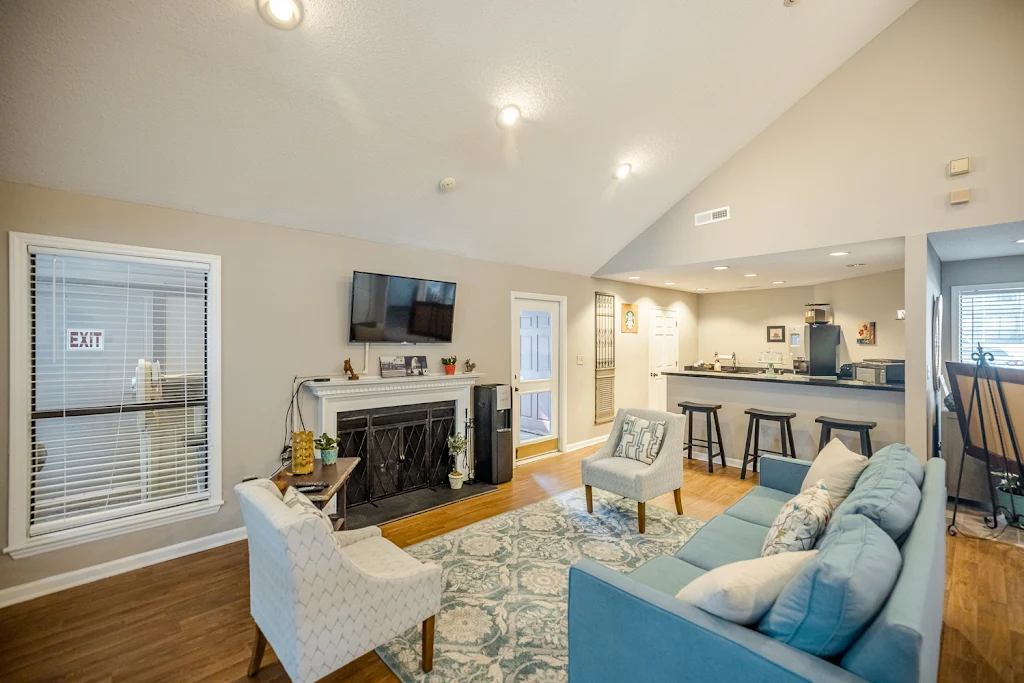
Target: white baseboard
53 584
703 457
583 444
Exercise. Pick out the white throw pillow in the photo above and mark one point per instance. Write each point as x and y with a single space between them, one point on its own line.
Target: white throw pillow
640 440
800 521
301 504
839 467
743 592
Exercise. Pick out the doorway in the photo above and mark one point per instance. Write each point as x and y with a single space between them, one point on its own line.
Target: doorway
538 373
664 354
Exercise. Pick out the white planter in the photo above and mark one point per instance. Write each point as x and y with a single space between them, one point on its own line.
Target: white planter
455 481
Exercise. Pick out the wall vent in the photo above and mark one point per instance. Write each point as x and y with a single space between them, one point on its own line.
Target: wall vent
713 216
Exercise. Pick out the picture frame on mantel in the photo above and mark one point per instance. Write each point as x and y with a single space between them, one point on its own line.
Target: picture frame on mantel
392 367
777 334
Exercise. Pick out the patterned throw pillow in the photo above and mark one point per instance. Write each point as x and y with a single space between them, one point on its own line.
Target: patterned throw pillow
298 502
800 521
641 439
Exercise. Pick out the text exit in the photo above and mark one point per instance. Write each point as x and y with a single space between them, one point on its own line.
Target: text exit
85 340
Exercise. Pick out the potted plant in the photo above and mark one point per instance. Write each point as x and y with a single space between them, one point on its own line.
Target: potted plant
328 448
449 365
1010 495
457 447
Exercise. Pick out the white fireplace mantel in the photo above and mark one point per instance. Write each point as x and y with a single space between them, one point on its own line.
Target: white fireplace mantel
342 395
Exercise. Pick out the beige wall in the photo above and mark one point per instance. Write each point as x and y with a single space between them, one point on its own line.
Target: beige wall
864 155
273 277
738 321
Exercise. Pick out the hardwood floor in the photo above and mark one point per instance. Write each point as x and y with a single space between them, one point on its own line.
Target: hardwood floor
188 619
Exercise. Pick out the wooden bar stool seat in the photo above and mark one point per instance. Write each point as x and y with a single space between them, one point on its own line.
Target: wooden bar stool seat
754 432
862 427
710 412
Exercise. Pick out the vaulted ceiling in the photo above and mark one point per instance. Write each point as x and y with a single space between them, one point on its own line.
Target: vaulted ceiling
346 124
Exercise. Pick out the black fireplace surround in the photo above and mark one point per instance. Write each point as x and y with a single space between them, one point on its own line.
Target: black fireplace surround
402 448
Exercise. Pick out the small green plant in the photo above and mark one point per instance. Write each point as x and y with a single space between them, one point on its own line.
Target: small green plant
449 361
325 443
456 446
1011 483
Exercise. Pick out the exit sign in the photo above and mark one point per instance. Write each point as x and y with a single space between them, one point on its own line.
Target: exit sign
85 340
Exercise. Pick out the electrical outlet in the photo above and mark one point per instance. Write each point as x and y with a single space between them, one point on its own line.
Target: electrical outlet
579 359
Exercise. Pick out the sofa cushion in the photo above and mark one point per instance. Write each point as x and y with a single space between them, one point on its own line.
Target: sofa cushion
800 522
741 592
723 540
839 467
887 492
760 505
640 439
836 595
666 574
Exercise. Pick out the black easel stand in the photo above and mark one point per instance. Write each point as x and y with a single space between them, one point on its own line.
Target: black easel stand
982 369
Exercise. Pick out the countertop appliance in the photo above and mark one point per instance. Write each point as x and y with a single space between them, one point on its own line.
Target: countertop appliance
823 348
492 432
801 366
880 371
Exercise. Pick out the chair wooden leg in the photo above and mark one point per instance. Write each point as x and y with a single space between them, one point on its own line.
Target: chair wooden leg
428 644
258 647
590 499
678 495
641 513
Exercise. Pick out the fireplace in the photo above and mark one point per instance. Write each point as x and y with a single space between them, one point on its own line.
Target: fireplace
401 448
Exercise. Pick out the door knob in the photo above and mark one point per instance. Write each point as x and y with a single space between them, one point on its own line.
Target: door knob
517 389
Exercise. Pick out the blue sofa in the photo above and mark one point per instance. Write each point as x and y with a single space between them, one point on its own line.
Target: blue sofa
631 627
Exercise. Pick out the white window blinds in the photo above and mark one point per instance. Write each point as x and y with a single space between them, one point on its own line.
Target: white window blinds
119 378
992 316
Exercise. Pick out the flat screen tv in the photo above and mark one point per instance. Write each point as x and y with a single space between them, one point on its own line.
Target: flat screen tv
388 309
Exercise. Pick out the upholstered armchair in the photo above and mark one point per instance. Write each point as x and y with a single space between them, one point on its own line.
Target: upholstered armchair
323 598
634 479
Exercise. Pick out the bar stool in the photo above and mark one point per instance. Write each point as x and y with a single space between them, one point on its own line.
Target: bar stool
860 426
754 430
710 411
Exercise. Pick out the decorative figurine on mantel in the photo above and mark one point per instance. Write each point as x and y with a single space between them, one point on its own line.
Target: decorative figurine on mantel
348 369
469 365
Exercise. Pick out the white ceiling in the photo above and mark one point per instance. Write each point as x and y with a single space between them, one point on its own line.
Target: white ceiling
795 268
973 243
346 124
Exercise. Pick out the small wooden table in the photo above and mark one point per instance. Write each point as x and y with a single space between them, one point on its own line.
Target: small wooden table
335 475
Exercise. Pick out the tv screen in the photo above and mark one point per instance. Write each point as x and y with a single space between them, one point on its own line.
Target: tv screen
387 309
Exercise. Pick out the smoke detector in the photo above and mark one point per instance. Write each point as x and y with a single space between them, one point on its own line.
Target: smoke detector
447 184
713 216
788 3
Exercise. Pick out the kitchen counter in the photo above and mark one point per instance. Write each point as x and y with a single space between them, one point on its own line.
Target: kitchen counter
788 378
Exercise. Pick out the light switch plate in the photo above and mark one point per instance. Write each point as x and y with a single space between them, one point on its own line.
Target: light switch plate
960 196
960 166
579 359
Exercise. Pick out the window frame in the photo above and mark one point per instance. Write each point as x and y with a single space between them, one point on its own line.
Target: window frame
19 543
955 293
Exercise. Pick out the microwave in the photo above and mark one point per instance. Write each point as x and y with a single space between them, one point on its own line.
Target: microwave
880 371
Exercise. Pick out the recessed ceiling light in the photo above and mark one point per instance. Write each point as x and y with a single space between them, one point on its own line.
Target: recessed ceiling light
622 171
750 275
840 253
721 267
669 283
1020 241
508 116
702 289
282 14
634 277
778 282
854 265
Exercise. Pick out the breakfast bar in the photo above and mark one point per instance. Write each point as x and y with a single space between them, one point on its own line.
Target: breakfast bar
808 397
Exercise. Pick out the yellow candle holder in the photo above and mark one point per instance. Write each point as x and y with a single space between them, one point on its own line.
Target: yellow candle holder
302 452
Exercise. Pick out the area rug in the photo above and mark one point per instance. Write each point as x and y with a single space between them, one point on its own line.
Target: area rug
505 584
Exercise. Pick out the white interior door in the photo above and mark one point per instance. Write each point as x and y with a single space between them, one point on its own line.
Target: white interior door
664 353
536 376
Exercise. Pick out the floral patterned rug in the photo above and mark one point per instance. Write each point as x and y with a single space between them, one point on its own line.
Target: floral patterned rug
505 584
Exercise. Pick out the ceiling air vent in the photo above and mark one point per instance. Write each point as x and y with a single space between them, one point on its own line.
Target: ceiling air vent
713 216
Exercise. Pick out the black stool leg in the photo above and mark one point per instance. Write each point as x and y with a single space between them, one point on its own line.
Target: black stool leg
865 443
689 435
824 438
721 446
792 446
757 441
782 438
711 462
746 449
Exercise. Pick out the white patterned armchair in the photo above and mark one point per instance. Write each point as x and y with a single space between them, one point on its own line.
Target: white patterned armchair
323 598
634 479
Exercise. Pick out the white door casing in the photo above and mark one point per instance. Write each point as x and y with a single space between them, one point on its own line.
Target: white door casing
663 335
538 369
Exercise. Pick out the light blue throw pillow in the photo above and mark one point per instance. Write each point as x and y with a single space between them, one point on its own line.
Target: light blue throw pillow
888 491
835 596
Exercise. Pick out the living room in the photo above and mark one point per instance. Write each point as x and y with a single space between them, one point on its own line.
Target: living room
197 197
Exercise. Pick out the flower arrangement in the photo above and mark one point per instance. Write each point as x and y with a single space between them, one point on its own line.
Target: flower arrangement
457 447
449 364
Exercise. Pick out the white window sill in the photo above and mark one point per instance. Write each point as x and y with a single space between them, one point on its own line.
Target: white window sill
26 547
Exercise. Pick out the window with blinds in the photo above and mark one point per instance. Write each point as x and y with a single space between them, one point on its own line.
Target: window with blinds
992 316
115 388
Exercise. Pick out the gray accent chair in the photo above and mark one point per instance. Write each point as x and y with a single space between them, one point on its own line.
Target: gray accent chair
631 478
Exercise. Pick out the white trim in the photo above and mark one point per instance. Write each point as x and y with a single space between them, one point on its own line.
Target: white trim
53 584
702 456
954 306
20 544
563 357
569 448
